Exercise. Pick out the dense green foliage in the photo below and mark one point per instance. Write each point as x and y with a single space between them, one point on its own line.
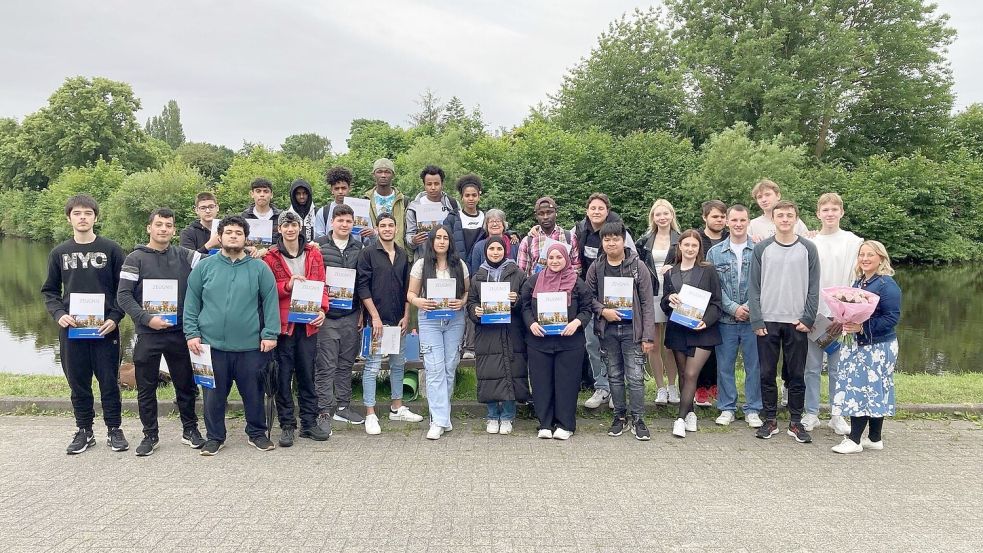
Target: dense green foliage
167 126
308 145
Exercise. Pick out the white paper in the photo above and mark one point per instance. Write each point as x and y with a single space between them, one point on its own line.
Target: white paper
201 366
215 223
429 216
362 212
618 292
338 278
551 308
492 292
203 358
84 306
387 343
307 291
441 288
160 298
546 246
261 230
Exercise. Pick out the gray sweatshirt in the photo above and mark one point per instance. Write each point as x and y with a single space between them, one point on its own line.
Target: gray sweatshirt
783 286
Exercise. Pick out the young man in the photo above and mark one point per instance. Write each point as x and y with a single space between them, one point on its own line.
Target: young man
225 293
623 342
837 249
767 194
385 199
732 260
783 296
339 338
261 191
198 235
382 281
161 265
339 181
292 259
88 264
532 248
714 231
432 198
302 203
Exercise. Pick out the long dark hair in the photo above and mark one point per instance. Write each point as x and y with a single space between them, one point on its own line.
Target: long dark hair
453 260
700 255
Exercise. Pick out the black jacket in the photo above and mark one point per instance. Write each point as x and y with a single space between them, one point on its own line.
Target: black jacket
348 259
679 337
384 281
587 237
579 308
500 349
195 236
174 263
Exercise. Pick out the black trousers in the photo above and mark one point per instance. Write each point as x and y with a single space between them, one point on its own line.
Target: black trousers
295 358
81 359
146 363
555 381
782 339
708 374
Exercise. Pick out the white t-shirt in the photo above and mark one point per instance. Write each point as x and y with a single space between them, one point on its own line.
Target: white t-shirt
265 216
765 227
342 244
738 250
472 223
417 270
837 260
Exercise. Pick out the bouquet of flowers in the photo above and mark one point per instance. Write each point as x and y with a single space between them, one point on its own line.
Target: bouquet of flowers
850 305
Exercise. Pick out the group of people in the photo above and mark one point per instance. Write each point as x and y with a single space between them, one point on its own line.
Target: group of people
762 275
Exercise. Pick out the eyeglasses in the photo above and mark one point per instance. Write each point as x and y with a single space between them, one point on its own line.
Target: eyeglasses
207 207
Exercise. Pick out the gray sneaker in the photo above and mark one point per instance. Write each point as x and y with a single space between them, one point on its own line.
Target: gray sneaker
116 441
286 437
324 423
598 399
349 415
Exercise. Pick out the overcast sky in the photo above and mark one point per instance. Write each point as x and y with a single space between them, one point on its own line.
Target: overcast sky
262 70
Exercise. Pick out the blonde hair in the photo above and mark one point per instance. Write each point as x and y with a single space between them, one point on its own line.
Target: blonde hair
765 184
829 198
884 267
662 202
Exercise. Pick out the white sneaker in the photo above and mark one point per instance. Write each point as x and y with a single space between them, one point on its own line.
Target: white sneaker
839 425
468 354
725 418
372 425
449 427
847 446
561 434
435 432
784 398
810 422
546 434
599 397
679 428
492 426
404 414
690 421
673 392
611 403
867 444
662 396
753 420
505 427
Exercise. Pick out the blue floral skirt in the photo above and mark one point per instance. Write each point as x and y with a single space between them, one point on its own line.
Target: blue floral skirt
865 380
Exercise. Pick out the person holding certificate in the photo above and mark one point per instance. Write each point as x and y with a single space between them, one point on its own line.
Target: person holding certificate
556 307
438 288
692 345
500 350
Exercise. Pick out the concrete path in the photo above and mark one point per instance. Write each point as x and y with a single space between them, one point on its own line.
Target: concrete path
717 490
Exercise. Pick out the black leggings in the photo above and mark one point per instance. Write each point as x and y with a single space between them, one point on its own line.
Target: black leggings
857 425
689 373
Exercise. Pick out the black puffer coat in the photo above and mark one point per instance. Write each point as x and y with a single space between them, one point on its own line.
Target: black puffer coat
500 349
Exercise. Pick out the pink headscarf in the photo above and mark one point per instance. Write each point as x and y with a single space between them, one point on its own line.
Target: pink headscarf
557 281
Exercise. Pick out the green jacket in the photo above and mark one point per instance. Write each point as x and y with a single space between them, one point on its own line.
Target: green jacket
399 213
224 300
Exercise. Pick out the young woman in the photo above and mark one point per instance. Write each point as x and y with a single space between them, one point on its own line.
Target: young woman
690 347
500 350
653 248
865 379
440 339
555 361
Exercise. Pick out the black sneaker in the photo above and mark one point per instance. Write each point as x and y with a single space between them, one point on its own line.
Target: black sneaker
324 423
83 440
617 427
639 429
263 443
797 431
349 415
767 430
211 447
286 437
314 433
147 446
192 438
116 441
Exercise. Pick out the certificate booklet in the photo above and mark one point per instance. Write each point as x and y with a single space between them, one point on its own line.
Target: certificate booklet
694 305
551 312
618 295
201 365
824 337
215 222
361 208
541 262
160 298
305 301
89 312
341 287
260 231
429 216
443 290
495 303
386 343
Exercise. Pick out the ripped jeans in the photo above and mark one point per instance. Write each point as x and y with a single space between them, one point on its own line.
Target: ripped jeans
624 359
440 348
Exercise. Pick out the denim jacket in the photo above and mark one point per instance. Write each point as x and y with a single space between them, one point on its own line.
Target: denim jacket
881 325
733 294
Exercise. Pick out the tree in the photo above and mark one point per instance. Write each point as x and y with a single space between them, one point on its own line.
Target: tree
455 116
430 111
167 125
308 145
966 131
209 159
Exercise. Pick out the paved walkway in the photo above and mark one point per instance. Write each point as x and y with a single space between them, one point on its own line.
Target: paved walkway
718 490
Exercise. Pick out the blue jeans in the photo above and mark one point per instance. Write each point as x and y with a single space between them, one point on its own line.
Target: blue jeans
814 370
370 373
624 359
738 336
597 366
440 347
501 410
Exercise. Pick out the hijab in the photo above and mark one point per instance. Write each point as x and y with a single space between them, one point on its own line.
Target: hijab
495 269
557 281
